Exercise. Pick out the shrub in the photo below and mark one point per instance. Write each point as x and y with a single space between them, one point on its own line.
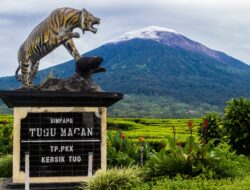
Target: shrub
226 164
6 166
115 178
123 152
198 183
157 145
237 124
5 138
120 151
197 158
122 125
166 162
188 158
210 128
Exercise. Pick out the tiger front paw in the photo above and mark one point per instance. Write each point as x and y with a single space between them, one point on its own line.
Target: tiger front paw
74 35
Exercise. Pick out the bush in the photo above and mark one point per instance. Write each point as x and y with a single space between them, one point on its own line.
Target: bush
123 152
210 128
198 183
157 145
120 151
5 138
226 164
197 159
166 163
237 124
122 125
115 178
6 166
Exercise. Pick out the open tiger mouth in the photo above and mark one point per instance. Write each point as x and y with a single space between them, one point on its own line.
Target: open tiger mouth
92 28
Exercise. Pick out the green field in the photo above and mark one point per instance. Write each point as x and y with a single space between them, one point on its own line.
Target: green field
7 118
153 130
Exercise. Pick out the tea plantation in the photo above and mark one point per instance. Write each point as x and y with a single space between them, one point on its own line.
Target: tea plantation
153 130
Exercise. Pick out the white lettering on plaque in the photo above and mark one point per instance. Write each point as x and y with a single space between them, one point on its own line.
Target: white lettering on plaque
61 120
52 159
42 132
65 148
75 159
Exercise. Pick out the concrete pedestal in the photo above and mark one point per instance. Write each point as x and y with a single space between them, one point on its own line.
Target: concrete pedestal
59 130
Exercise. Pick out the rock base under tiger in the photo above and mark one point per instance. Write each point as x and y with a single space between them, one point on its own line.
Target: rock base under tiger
80 81
75 83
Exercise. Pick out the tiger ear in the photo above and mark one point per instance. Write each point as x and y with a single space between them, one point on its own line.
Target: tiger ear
84 10
83 16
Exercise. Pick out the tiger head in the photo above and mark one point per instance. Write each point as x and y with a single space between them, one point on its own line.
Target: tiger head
88 21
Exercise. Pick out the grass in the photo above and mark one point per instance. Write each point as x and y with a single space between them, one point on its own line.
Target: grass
156 130
115 178
196 184
6 166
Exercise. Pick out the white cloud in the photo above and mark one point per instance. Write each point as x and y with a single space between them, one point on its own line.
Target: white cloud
5 22
219 24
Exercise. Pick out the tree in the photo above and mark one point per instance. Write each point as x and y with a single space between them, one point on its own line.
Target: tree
237 124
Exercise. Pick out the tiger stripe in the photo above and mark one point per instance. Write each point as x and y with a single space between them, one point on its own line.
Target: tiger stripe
55 30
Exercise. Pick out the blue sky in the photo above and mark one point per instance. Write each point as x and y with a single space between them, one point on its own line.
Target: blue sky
220 24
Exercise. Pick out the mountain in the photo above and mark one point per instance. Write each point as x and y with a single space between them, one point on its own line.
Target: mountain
163 74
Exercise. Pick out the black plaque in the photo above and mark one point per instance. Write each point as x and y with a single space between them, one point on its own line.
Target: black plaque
59 143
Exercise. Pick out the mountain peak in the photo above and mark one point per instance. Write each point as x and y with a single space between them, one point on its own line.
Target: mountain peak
168 37
149 32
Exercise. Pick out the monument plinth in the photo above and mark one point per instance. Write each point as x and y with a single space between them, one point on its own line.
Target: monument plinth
63 132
